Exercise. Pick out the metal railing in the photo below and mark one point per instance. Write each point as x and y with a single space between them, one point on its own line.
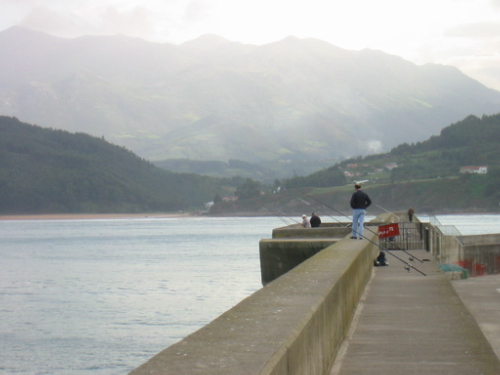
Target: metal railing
478 254
447 230
411 237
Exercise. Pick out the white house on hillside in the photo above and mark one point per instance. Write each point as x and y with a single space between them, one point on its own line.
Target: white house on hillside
473 169
391 166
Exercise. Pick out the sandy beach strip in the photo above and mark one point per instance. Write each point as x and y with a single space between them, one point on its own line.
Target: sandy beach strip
91 216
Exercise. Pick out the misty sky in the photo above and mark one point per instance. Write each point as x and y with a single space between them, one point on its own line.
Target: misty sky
463 33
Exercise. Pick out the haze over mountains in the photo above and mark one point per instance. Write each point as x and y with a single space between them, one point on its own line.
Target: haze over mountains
212 99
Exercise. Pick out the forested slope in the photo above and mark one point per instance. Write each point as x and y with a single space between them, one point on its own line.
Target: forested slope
45 170
425 175
473 141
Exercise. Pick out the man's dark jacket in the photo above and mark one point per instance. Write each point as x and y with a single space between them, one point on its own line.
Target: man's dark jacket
315 221
360 200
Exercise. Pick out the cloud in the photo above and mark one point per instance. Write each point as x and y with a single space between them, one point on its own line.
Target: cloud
92 20
22 2
482 68
374 146
135 22
156 20
196 11
478 30
53 22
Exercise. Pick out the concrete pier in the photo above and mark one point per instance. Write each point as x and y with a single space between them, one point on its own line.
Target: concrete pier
325 310
407 323
292 245
294 325
481 296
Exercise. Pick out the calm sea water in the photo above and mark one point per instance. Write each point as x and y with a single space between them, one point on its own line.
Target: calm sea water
103 296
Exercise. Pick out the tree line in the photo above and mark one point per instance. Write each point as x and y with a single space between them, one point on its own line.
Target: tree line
45 170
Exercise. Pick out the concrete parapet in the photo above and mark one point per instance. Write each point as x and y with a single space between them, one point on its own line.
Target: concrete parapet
293 326
393 217
478 254
449 250
278 256
295 231
325 231
479 239
293 244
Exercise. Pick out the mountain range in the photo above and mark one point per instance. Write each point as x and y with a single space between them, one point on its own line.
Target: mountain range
214 99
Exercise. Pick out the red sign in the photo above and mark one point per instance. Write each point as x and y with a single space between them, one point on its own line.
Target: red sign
389 230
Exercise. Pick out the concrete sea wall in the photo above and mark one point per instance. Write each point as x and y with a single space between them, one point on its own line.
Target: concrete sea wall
279 256
313 279
293 325
478 254
292 245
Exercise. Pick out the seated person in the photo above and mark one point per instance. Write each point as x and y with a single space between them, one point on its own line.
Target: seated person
315 221
381 261
305 222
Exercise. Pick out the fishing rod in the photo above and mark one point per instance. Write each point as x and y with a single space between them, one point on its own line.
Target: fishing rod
382 208
315 209
408 266
412 257
281 217
324 204
406 252
342 214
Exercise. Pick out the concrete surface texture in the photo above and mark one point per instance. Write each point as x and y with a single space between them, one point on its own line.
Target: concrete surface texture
293 326
481 296
279 256
407 323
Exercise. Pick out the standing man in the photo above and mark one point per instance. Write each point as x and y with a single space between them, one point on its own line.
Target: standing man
410 214
360 201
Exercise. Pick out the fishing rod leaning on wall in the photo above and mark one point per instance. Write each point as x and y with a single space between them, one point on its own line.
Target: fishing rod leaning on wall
408 266
412 257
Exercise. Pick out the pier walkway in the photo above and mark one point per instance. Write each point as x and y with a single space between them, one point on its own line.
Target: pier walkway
407 323
325 310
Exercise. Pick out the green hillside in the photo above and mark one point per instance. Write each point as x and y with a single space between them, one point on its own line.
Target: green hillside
48 171
471 142
425 175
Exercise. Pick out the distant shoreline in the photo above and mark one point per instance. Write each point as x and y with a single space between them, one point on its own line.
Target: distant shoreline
91 216
95 216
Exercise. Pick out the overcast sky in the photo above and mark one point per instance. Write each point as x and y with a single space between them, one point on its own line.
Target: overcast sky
463 33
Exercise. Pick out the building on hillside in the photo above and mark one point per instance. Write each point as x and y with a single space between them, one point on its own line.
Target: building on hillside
352 174
391 166
474 169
